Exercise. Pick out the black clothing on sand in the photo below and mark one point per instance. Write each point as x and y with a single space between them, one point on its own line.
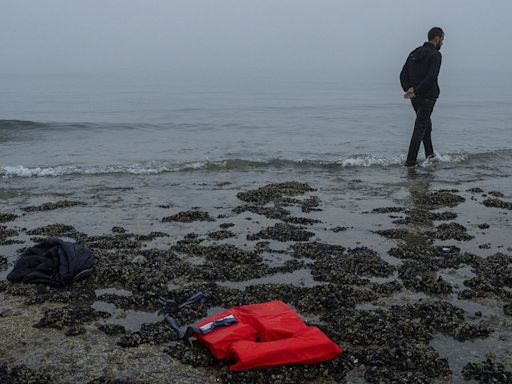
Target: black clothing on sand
54 262
420 72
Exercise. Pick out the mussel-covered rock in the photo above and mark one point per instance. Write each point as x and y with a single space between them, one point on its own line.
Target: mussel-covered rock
497 203
273 192
52 206
188 217
282 232
487 371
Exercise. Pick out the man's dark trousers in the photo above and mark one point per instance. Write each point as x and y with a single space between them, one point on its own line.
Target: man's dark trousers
422 128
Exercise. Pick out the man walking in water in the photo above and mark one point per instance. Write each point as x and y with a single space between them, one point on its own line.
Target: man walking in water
419 82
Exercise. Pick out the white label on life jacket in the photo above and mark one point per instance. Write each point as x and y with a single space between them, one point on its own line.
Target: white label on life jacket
207 327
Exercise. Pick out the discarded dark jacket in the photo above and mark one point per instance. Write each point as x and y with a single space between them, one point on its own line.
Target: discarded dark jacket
421 71
54 262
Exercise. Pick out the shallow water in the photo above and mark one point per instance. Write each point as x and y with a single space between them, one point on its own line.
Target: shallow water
142 123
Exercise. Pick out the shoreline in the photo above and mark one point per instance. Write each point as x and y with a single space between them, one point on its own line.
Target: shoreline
412 283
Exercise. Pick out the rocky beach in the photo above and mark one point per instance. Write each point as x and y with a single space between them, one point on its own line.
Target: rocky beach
414 282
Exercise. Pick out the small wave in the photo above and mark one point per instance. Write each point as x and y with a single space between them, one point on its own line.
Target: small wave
27 125
440 158
371 161
135 169
159 167
19 124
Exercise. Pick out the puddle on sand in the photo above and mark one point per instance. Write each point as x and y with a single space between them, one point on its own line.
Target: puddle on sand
196 260
276 259
160 243
456 277
383 280
460 353
104 307
112 291
355 376
470 307
5 272
490 311
130 319
299 278
401 298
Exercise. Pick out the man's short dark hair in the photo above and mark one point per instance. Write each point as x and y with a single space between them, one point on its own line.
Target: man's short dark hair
434 32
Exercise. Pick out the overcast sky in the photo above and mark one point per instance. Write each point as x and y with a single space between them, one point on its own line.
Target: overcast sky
91 35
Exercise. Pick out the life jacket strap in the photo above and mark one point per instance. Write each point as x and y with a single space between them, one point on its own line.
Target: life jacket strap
186 332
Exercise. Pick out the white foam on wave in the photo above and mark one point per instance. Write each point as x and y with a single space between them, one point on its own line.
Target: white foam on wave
370 160
440 158
135 169
158 167
21 171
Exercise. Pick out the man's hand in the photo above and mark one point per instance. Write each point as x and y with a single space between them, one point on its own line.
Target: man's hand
409 94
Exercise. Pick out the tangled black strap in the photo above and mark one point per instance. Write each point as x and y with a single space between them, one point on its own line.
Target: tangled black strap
170 306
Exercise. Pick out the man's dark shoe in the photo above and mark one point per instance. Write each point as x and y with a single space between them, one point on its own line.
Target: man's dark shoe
410 163
431 157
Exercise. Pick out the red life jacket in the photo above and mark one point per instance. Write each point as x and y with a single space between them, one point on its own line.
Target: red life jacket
267 335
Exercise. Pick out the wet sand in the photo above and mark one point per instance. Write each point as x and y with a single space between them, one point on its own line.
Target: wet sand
415 285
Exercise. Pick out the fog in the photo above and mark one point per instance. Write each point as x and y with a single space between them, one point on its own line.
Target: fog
153 35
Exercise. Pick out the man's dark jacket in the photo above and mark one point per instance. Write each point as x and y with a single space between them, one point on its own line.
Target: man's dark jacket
421 70
53 262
